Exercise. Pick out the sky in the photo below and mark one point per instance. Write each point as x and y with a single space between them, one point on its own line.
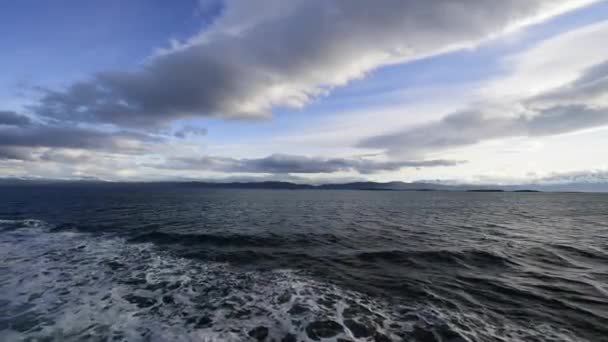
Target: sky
312 91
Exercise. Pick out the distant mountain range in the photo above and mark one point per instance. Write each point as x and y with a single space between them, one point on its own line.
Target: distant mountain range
371 186
405 186
337 186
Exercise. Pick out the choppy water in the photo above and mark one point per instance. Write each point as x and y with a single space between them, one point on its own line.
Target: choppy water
159 263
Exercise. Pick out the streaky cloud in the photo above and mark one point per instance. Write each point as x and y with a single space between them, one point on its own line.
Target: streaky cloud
286 164
285 54
570 108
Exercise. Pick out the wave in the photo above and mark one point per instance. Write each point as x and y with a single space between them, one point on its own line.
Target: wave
207 239
594 255
133 289
238 240
9 225
126 291
466 258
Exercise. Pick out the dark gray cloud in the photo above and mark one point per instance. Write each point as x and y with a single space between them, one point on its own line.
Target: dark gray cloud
281 53
284 164
10 118
22 142
567 109
68 137
15 153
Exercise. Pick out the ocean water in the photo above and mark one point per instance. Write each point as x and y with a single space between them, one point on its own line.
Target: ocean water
167 263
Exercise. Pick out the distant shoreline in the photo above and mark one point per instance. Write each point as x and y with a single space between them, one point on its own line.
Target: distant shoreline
278 185
362 185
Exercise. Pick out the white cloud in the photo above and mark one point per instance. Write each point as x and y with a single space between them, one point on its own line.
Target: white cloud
550 64
558 86
285 53
261 55
544 115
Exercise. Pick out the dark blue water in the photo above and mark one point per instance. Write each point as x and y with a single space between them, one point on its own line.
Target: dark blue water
168 263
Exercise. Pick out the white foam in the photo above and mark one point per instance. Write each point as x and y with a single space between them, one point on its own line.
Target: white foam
75 286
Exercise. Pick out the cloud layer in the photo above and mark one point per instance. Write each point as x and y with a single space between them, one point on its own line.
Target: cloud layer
268 54
22 142
579 105
283 164
284 53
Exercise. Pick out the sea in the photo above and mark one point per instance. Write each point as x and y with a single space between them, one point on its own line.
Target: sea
154 262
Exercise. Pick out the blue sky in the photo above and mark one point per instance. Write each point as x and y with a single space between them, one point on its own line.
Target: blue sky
54 43
216 89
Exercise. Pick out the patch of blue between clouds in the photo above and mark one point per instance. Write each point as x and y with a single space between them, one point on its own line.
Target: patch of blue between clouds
78 38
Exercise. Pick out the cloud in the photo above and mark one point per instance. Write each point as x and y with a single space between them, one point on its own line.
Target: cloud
576 106
67 156
27 142
190 131
591 87
256 57
10 118
284 164
551 63
14 153
71 137
581 176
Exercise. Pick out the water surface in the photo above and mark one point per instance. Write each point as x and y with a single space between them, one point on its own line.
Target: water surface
165 263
